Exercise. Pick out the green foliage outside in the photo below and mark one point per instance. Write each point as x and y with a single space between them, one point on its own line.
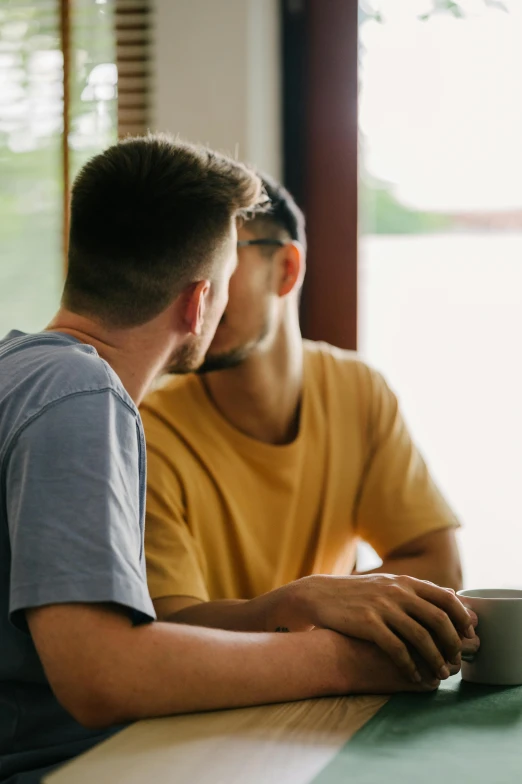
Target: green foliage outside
381 213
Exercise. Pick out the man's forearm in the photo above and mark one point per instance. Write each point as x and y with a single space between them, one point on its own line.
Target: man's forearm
434 557
278 610
423 567
231 614
104 671
207 669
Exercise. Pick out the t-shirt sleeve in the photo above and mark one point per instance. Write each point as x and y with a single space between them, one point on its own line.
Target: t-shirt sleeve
174 562
73 508
398 499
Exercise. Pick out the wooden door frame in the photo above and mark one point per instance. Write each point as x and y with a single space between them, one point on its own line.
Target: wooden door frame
320 133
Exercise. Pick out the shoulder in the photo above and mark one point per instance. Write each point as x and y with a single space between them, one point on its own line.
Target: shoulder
168 389
347 381
341 364
39 372
175 402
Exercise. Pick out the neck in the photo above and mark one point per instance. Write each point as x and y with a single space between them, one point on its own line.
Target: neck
262 396
137 355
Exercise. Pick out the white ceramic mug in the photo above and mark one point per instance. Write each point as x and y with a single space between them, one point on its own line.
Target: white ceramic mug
499 659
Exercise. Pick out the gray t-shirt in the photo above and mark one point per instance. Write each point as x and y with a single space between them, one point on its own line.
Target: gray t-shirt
72 503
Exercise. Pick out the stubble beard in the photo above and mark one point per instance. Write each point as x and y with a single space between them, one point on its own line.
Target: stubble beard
234 357
187 359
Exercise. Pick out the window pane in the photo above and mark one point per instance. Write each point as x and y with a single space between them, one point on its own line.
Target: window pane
31 124
441 250
30 163
93 80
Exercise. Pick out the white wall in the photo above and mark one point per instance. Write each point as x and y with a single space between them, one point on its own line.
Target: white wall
217 76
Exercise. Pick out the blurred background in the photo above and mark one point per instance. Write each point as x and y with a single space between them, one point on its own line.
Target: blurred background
397 126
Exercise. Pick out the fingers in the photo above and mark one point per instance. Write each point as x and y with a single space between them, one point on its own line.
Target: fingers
427 684
455 668
473 616
470 647
422 642
439 624
396 650
447 601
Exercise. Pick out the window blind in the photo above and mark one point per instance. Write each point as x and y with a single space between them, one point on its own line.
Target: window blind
133 40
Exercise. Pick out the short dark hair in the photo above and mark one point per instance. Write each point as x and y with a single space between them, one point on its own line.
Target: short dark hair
281 217
146 215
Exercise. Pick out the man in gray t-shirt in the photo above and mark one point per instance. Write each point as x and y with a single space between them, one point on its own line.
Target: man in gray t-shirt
152 247
72 468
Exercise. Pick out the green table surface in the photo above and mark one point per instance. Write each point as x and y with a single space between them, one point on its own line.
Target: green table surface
461 733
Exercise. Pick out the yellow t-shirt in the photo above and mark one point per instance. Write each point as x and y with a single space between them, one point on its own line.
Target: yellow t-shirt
231 517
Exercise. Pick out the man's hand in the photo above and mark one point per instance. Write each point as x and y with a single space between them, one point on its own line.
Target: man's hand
373 672
400 615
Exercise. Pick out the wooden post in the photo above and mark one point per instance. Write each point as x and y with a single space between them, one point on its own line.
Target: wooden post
320 88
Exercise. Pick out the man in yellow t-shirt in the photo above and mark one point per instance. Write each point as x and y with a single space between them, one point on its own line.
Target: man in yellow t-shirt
278 457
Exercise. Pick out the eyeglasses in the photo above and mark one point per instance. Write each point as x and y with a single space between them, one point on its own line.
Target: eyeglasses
246 243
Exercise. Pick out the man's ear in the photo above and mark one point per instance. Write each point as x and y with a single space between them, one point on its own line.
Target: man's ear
291 266
194 301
